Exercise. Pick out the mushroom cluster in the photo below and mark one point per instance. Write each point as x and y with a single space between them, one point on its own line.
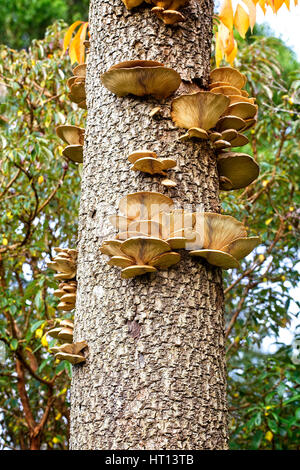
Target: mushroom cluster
76 85
148 162
67 293
150 229
166 10
74 137
68 351
64 263
140 78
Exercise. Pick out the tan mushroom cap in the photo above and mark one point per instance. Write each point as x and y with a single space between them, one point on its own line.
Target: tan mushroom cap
215 136
68 297
201 109
168 183
66 334
70 348
149 165
239 168
217 84
220 230
241 247
121 261
143 249
242 110
77 93
221 144
217 258
195 133
80 70
66 307
226 90
168 16
138 154
130 234
145 205
129 4
249 123
72 358
71 135
74 153
165 260
66 323
228 74
141 78
133 271
240 99
111 248
230 122
239 140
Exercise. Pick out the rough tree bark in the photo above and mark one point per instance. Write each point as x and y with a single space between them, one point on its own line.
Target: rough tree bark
155 374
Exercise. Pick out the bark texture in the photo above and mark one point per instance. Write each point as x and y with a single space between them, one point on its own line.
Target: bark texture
155 374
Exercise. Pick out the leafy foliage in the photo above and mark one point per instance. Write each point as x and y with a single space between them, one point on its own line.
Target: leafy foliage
24 20
39 196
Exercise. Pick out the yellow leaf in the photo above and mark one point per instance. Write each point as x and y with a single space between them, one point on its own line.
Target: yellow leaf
261 258
74 49
241 20
226 14
58 416
4 241
278 4
81 45
269 221
44 341
252 12
218 51
230 57
269 436
40 179
55 440
39 333
69 33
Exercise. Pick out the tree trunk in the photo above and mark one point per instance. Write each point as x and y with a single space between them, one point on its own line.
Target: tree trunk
155 375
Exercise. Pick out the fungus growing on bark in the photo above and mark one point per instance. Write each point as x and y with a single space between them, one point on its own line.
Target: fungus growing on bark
238 169
198 112
139 255
74 137
140 78
129 4
65 263
228 75
225 241
63 330
76 85
168 16
72 353
148 162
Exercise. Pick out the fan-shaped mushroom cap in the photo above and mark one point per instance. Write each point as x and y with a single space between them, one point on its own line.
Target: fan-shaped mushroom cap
228 74
239 140
167 163
145 205
240 99
215 136
133 271
80 70
143 249
72 358
217 84
230 122
195 133
74 153
130 234
169 183
70 348
149 165
241 247
226 90
221 144
242 110
249 123
201 109
168 16
168 4
66 323
220 230
217 258
165 260
129 4
66 334
71 135
68 297
111 248
141 78
239 168
121 261
66 307
138 154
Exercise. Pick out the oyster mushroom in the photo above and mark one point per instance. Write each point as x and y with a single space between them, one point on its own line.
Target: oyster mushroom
74 137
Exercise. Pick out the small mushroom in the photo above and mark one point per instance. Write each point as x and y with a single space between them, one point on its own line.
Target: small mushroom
140 78
129 4
239 168
76 85
227 90
229 75
242 110
168 16
65 263
230 122
74 137
62 331
200 110
148 162
225 241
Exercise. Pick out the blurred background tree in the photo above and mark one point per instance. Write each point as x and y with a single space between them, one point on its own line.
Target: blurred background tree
24 20
39 197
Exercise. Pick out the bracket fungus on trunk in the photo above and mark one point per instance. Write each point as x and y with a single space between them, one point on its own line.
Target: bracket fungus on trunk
71 352
65 263
140 78
225 241
236 170
148 162
139 255
76 85
74 137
